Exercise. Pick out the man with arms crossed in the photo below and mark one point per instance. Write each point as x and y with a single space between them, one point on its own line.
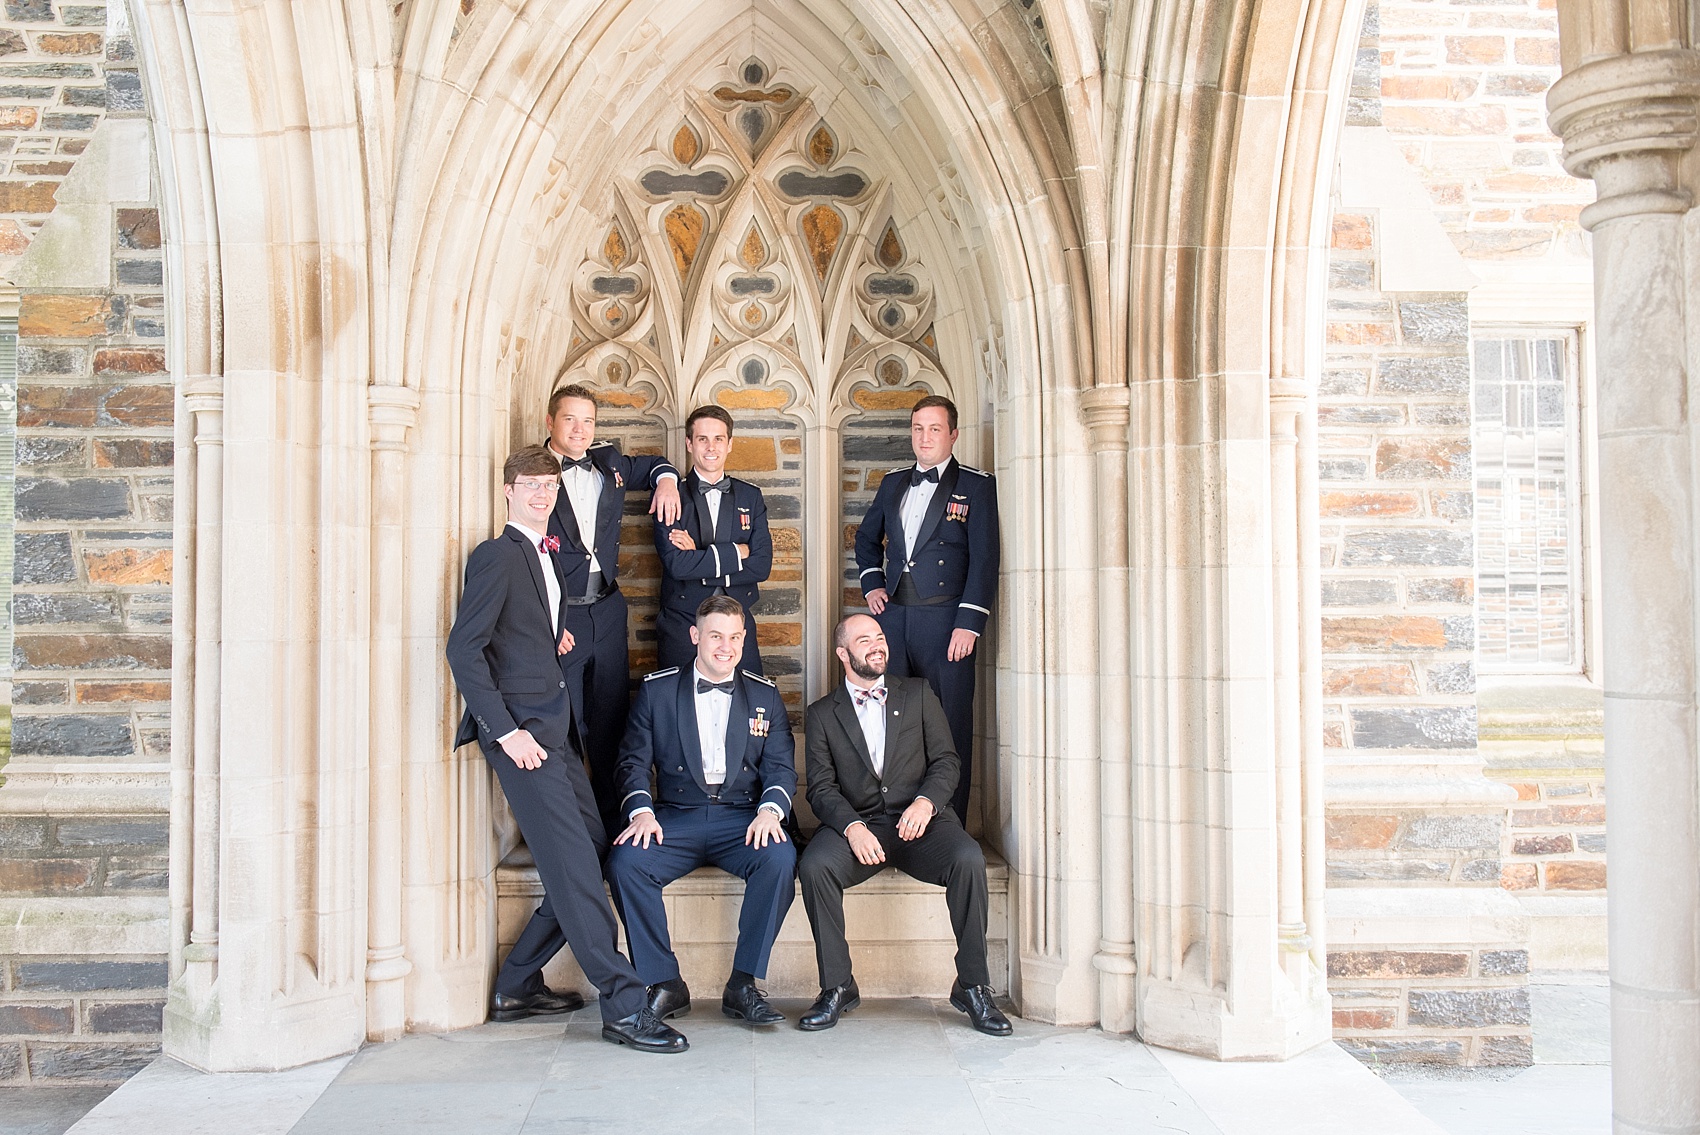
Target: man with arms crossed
502 652
720 545
927 552
881 763
588 510
719 743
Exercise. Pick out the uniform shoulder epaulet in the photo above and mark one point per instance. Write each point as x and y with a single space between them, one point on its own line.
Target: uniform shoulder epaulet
601 445
971 469
899 469
759 678
661 673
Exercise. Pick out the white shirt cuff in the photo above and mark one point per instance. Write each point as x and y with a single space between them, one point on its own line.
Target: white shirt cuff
664 474
506 735
636 812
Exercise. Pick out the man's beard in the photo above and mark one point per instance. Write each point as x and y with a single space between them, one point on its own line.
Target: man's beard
862 668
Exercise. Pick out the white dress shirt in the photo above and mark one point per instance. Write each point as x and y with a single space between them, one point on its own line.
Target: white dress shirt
584 492
713 708
915 501
871 715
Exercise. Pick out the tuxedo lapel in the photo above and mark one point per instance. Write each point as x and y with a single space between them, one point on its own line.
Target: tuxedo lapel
704 535
535 568
935 507
899 552
687 717
608 501
737 729
568 521
845 710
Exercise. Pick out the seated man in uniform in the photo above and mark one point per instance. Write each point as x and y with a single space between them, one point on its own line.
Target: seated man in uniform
719 744
882 767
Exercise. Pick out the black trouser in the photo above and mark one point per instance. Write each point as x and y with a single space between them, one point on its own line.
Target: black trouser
917 642
598 674
945 855
558 817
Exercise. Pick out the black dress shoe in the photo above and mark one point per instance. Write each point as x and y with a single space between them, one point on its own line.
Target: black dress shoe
543 1003
645 1032
747 1003
670 999
976 1001
829 1006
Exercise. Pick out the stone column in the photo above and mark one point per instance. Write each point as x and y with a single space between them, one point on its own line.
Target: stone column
392 411
1108 412
198 783
1628 121
1287 401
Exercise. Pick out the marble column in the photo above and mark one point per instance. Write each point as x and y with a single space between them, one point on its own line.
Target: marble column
1629 121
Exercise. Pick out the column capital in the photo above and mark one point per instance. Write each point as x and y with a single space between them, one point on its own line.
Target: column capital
1107 411
392 411
1626 121
203 397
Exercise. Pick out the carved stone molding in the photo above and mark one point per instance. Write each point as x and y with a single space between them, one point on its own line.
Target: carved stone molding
392 411
1107 411
1626 121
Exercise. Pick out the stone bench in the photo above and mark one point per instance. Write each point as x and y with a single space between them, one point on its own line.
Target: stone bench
899 931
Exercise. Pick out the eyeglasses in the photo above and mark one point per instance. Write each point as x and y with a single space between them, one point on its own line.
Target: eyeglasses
528 486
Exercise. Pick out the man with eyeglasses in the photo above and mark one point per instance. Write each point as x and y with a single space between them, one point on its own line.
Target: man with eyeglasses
588 510
502 651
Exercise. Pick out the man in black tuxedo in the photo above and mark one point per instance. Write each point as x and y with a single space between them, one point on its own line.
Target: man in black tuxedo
502 652
927 551
588 509
719 546
718 743
881 763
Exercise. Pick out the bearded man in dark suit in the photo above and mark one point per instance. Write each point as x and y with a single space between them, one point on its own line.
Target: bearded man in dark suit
881 768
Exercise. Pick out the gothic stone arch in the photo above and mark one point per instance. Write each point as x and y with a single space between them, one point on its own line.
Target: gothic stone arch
379 219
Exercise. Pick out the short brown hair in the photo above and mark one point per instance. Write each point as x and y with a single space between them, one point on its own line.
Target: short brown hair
532 461
714 412
571 390
932 400
719 605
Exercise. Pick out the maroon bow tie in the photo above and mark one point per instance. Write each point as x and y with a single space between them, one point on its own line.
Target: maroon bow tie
861 696
549 544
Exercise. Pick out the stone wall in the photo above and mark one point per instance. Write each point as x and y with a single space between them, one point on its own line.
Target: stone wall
80 237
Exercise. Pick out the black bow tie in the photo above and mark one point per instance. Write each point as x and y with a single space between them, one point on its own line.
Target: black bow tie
724 485
916 476
581 463
704 685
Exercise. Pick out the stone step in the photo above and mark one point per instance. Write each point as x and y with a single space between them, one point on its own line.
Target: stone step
899 931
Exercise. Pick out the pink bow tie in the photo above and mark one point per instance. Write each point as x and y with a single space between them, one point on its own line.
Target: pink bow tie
549 544
861 696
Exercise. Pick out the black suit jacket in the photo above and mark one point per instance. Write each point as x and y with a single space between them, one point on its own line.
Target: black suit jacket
955 558
619 473
761 759
501 649
690 577
920 756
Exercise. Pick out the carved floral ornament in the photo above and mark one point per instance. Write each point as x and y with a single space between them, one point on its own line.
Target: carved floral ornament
750 228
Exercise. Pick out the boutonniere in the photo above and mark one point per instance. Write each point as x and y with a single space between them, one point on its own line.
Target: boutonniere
744 519
759 724
550 543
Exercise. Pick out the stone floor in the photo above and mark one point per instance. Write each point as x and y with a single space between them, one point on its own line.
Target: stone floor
896 1066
